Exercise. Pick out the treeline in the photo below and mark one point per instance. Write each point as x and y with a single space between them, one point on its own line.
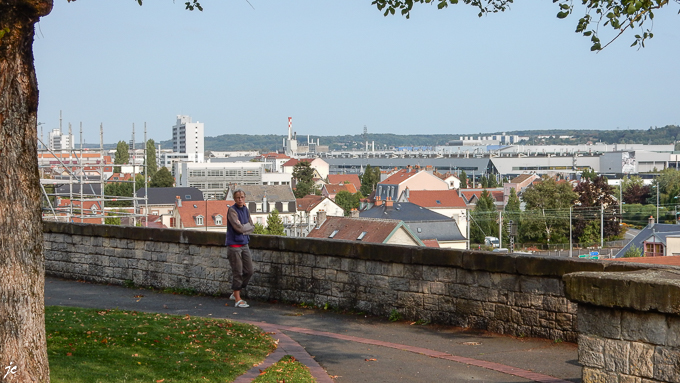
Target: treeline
272 142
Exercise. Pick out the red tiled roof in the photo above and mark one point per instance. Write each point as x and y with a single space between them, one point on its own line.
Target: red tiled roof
497 195
69 155
87 205
273 155
308 203
436 198
430 242
445 175
192 209
120 177
335 189
339 179
377 230
521 178
399 177
294 161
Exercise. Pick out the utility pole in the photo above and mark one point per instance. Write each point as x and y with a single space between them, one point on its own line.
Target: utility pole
601 226
500 229
467 217
657 202
571 243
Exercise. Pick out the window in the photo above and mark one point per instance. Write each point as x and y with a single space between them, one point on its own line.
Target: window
187 196
214 173
333 233
199 220
362 235
439 202
218 220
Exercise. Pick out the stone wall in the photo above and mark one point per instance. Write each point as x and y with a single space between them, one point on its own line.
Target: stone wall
507 294
629 325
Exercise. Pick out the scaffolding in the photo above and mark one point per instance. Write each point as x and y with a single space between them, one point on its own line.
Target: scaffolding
85 169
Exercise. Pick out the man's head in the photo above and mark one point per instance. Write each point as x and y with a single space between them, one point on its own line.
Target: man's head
240 197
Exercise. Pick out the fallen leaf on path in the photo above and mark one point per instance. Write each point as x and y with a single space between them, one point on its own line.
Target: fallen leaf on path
471 343
371 360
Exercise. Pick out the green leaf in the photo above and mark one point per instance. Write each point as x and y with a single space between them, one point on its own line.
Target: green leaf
562 14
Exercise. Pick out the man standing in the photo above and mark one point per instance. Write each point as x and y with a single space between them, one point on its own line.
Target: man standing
239 225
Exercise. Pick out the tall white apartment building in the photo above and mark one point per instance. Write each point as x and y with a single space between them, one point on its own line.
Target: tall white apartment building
60 141
187 137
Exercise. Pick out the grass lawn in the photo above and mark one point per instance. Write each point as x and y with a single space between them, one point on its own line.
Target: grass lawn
90 345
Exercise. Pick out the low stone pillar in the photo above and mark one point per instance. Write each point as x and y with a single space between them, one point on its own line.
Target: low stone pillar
628 325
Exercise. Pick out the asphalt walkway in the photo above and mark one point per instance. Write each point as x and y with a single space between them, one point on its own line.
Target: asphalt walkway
352 348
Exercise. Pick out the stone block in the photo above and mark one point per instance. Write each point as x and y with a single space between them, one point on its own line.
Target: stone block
616 356
437 288
673 333
641 359
591 351
591 375
459 291
413 272
307 260
447 274
644 327
321 261
556 304
431 273
372 267
564 321
667 364
600 321
529 317
509 282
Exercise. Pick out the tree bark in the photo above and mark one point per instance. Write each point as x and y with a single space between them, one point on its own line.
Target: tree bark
22 268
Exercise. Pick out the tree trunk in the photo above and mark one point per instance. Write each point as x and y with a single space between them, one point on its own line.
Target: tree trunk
22 269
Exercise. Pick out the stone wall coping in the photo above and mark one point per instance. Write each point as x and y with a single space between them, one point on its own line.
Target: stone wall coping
529 265
642 290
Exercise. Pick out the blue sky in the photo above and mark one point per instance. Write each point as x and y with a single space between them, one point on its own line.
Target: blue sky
335 66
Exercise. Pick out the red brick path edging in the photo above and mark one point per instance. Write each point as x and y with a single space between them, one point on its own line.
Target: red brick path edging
287 346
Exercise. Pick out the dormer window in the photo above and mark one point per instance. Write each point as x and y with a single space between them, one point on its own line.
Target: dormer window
218 220
199 220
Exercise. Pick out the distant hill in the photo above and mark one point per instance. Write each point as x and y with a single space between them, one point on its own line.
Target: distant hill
271 142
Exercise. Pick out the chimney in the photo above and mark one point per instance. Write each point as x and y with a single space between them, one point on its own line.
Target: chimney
378 201
320 218
408 194
178 201
389 202
354 213
265 204
650 221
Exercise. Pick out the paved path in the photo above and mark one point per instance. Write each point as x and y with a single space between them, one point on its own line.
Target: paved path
353 348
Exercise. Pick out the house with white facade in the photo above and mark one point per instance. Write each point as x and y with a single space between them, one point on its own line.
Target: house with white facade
263 199
308 209
414 179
